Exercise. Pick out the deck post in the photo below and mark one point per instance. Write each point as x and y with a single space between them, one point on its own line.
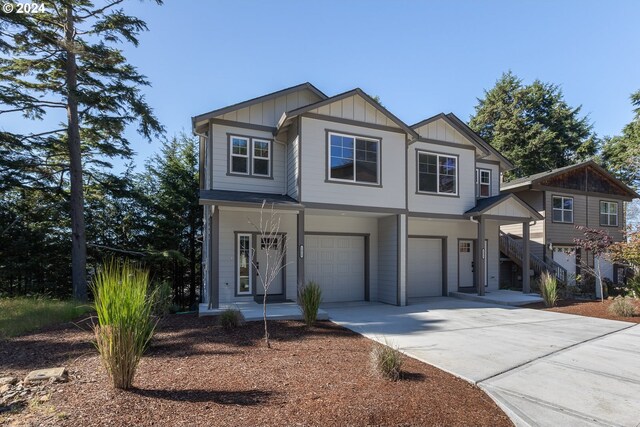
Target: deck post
481 266
526 258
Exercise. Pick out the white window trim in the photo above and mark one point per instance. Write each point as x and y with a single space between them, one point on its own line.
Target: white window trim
232 155
562 209
608 214
253 156
354 180
250 261
438 155
479 182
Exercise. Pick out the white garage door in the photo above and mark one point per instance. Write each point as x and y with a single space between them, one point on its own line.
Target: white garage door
566 257
336 263
425 268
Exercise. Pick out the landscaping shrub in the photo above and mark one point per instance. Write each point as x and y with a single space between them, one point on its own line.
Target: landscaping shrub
230 319
162 296
622 307
310 299
125 322
386 361
549 289
633 286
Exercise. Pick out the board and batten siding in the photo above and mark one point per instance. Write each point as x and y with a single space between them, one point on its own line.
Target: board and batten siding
495 175
388 264
454 230
350 225
220 180
355 108
442 131
315 187
537 240
442 204
268 113
237 220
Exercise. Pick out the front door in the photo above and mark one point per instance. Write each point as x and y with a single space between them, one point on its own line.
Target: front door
267 259
466 265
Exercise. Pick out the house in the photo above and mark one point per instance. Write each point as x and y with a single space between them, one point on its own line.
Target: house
371 209
581 194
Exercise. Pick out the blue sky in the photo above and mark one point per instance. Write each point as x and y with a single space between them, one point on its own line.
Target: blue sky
420 57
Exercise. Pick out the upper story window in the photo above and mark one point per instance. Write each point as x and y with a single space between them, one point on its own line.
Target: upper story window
608 213
354 159
249 156
437 173
483 182
562 209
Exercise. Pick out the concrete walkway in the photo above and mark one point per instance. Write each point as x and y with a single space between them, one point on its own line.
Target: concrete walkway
542 368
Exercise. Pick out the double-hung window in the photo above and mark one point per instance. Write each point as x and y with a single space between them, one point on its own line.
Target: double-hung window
563 209
483 182
353 159
249 156
608 213
437 173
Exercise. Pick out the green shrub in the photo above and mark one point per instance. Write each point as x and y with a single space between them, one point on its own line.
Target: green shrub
125 321
310 299
549 289
230 319
633 286
162 296
386 361
622 307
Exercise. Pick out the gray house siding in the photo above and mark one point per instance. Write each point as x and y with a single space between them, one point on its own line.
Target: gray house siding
388 259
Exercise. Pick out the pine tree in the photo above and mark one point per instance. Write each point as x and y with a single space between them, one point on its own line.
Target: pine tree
64 64
533 126
621 154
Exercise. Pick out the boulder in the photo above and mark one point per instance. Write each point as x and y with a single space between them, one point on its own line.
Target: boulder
46 375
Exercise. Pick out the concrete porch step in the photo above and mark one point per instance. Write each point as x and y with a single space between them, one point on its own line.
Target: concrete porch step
500 297
252 311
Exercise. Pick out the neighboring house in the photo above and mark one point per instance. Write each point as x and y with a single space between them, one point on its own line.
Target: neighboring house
371 209
581 194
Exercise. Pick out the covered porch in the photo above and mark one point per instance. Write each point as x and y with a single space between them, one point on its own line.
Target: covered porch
500 210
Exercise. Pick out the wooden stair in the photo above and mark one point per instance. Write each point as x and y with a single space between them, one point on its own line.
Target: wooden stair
512 248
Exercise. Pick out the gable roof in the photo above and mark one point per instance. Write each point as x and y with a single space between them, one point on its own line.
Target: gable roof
465 130
287 116
243 104
526 181
483 205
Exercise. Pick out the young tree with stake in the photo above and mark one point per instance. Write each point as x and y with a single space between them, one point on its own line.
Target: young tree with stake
595 242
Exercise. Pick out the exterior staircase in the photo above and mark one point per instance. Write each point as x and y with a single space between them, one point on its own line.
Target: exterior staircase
512 248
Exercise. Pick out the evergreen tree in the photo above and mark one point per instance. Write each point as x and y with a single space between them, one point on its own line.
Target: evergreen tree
63 63
621 154
533 126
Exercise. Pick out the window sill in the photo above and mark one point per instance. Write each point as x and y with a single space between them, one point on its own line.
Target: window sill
360 184
426 193
242 175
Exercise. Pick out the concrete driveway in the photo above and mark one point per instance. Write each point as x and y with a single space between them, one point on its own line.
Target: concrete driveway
542 368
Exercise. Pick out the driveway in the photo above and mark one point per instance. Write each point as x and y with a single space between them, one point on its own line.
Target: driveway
542 368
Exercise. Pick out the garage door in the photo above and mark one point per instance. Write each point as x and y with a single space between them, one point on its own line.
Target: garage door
424 272
566 257
336 263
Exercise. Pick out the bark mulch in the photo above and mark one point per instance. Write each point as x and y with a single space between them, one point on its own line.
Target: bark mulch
197 374
588 308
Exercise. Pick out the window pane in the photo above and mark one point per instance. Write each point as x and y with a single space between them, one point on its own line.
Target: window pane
568 204
261 149
447 184
557 202
239 146
603 207
366 171
485 177
244 264
484 190
613 219
244 285
341 157
261 167
568 216
428 182
239 164
341 168
604 219
557 215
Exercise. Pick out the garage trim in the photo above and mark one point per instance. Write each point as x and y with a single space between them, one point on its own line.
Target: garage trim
445 274
367 239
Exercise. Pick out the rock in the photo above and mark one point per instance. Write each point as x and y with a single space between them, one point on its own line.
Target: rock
8 380
44 398
5 388
52 375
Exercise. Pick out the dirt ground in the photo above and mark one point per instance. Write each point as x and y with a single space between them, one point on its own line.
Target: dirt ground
588 308
195 373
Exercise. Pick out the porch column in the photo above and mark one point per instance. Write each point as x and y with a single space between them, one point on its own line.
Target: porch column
482 274
526 258
300 250
214 259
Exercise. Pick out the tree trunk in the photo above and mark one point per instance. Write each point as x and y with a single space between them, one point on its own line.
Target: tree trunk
192 266
78 237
